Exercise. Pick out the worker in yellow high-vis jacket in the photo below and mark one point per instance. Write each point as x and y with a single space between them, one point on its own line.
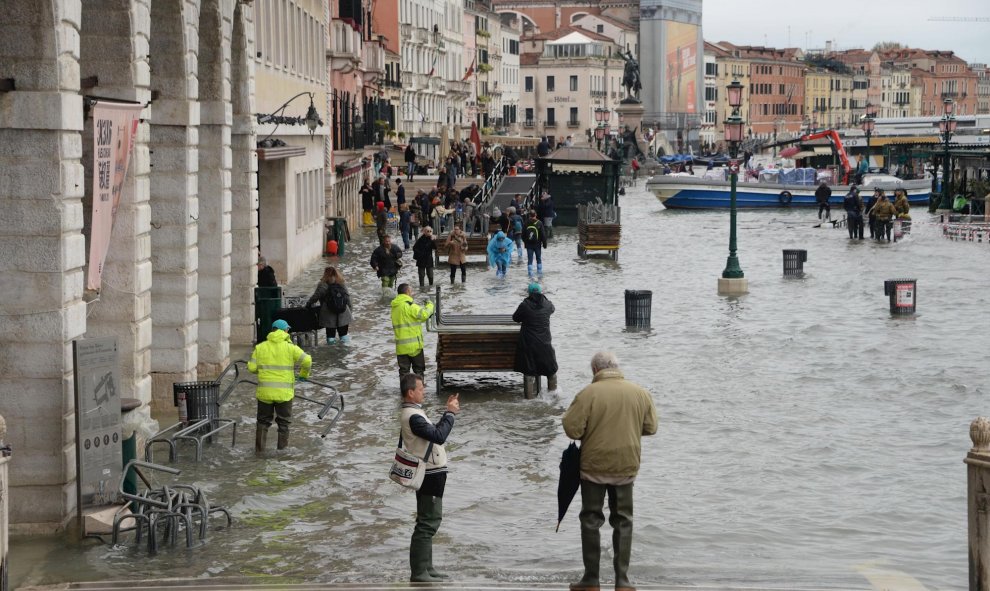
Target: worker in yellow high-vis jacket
407 325
275 360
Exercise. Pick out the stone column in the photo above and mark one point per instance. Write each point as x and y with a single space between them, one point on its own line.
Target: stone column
42 253
174 248
978 504
243 182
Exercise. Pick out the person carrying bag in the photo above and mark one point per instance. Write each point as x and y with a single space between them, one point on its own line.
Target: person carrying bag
422 443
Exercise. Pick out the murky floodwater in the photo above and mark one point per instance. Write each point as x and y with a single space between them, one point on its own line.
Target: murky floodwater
806 437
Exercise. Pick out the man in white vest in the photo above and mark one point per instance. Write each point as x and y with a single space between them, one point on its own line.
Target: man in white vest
417 434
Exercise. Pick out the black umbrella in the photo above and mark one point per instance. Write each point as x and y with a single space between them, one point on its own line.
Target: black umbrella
570 479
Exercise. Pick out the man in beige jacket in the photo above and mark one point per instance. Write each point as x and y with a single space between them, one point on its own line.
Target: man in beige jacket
609 417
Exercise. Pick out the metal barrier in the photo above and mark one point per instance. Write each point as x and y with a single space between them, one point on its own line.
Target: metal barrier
173 508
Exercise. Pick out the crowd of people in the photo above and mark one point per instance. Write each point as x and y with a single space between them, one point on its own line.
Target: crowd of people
878 211
611 404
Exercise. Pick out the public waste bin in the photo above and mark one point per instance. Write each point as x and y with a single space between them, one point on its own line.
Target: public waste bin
197 400
266 301
128 442
903 295
336 232
794 262
638 304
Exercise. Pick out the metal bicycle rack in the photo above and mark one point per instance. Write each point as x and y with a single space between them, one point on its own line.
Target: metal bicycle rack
197 430
166 510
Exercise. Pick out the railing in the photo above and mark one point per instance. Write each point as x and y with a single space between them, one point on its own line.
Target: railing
438 84
550 124
421 36
490 186
405 31
459 87
574 123
373 58
529 123
345 42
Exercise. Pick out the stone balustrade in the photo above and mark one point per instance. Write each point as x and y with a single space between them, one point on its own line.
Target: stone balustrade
978 504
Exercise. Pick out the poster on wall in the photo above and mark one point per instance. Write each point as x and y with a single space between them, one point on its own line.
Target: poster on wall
114 128
681 53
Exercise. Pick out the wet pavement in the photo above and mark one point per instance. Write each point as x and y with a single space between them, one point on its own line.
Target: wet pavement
807 438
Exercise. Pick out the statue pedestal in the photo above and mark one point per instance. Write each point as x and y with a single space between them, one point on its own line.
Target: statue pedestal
631 112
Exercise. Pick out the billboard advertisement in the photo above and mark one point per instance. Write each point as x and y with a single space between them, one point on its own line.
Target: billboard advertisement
681 53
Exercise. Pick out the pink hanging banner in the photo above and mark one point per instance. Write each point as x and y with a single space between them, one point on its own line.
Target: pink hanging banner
114 129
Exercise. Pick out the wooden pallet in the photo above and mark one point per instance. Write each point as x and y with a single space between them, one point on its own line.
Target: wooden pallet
477 246
599 237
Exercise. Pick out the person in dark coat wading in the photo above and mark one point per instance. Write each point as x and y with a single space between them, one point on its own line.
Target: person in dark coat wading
534 353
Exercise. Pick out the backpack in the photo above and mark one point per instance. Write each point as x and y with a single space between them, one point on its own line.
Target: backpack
516 226
336 298
532 234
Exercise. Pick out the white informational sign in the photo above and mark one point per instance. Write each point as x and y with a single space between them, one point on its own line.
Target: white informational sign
98 435
904 295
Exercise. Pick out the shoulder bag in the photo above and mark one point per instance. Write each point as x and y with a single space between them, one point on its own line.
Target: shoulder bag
407 469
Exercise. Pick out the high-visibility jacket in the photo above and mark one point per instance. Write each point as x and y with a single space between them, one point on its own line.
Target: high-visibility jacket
275 360
407 323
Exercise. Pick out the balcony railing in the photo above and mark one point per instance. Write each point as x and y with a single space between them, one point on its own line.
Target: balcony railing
950 94
373 59
438 84
405 31
458 87
550 124
529 123
574 123
345 48
421 36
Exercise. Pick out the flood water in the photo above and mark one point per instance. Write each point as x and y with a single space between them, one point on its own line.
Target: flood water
807 438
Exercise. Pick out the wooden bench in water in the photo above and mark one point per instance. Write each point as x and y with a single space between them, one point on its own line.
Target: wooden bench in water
477 343
599 229
477 246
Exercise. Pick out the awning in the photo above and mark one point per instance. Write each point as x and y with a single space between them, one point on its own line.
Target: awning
823 150
804 154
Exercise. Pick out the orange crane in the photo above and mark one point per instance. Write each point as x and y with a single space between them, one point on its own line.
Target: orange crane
833 136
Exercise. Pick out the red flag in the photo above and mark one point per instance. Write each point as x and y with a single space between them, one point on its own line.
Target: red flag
470 71
476 139
433 68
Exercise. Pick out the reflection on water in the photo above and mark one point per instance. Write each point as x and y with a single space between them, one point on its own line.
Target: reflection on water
806 437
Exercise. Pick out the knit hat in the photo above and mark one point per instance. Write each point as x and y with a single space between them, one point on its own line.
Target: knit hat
534 287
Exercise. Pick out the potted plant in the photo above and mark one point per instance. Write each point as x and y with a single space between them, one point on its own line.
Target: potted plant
485 68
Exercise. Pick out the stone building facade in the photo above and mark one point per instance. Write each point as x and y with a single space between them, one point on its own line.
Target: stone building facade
177 281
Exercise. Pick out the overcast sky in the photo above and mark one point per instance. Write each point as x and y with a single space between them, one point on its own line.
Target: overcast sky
851 24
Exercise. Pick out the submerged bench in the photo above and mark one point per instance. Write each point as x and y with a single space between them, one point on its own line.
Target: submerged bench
476 343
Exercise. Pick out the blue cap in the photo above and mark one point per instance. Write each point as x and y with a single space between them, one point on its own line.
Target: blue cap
534 287
281 325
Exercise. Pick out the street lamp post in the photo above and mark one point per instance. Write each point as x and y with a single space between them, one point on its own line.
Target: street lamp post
868 125
733 282
946 127
601 116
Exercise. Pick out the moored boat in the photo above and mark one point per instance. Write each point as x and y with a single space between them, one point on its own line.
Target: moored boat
689 192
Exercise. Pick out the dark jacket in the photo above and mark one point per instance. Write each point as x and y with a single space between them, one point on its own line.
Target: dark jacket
544 208
423 251
409 154
541 234
822 194
367 197
383 261
266 277
534 352
853 205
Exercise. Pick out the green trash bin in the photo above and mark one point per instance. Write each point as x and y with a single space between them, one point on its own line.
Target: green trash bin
337 230
267 300
128 447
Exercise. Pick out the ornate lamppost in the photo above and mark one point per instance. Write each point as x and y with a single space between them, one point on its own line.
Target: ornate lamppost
732 281
868 125
946 127
601 116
